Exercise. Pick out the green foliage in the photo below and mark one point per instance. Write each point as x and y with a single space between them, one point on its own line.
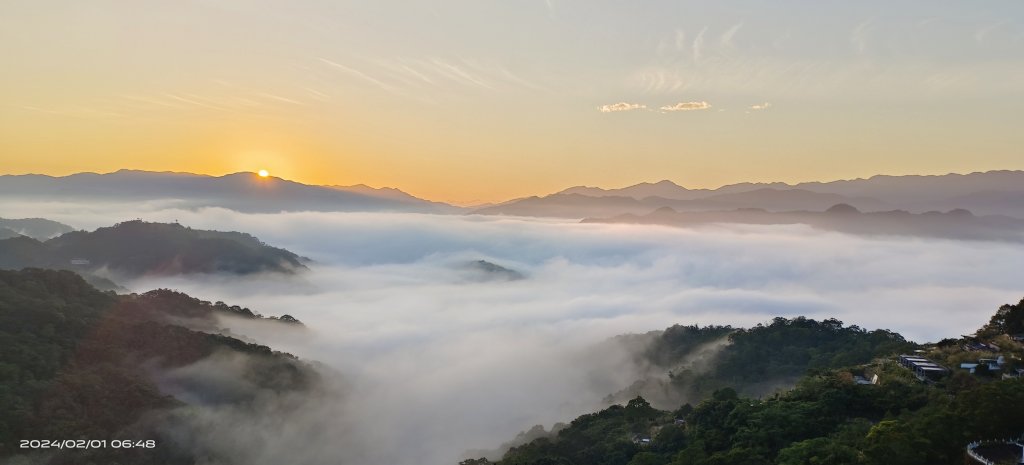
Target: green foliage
790 347
679 341
756 361
1009 319
602 438
826 418
78 363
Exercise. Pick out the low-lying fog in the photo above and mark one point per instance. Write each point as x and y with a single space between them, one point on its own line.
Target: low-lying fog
438 357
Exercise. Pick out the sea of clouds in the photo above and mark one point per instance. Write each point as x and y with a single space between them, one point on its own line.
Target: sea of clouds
437 358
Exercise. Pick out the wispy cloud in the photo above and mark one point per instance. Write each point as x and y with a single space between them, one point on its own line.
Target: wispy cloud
317 94
194 100
698 46
621 106
680 40
761 106
687 106
280 98
459 73
660 80
437 72
859 37
981 34
726 40
75 112
359 74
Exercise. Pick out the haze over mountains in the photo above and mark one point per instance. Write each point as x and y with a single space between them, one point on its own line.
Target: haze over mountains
133 249
245 192
36 228
955 224
975 206
983 193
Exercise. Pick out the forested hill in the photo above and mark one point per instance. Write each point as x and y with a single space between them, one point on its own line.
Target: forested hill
80 363
136 248
826 419
688 363
832 416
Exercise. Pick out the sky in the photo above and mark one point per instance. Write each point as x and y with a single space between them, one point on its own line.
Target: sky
471 101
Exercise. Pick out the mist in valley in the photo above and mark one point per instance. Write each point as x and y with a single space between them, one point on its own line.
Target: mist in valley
425 357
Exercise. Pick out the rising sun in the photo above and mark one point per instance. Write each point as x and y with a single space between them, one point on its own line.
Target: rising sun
263 173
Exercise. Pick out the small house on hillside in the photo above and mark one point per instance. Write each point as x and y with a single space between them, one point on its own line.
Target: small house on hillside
641 440
924 369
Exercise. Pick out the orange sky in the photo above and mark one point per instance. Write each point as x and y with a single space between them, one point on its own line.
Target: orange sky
511 101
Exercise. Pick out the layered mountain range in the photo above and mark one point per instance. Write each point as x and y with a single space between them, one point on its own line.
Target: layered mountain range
980 206
245 192
983 193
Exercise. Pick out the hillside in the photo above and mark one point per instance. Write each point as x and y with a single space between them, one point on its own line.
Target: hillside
137 248
828 419
80 363
831 416
36 228
690 362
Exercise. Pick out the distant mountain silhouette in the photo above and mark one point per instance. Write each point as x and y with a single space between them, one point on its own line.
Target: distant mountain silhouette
989 193
576 205
565 206
246 192
842 209
774 199
489 271
136 248
664 188
37 228
954 224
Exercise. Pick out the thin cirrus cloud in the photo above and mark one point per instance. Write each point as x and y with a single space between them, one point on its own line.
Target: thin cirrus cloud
761 106
687 106
621 106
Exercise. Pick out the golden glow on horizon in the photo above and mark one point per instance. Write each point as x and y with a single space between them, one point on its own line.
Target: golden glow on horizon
478 115
263 173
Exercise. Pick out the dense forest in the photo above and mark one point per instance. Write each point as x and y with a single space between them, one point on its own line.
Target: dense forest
81 363
136 248
832 416
691 362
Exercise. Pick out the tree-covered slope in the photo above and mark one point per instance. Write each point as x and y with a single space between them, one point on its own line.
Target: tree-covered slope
827 419
80 363
135 248
688 363
832 416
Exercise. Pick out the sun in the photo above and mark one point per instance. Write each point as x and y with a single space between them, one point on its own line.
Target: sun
263 173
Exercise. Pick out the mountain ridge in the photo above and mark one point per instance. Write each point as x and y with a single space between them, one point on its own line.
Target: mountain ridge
953 224
999 192
242 191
